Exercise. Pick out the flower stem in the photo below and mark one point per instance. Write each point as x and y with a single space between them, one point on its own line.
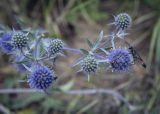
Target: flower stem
72 50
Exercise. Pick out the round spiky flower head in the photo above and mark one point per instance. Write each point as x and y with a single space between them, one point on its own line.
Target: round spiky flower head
55 46
89 64
41 78
5 43
120 59
123 21
20 40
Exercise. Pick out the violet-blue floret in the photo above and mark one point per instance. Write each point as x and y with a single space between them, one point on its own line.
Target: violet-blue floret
5 43
41 77
120 59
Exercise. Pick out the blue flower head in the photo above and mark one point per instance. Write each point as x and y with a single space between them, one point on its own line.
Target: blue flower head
41 78
55 46
123 21
5 43
20 40
120 59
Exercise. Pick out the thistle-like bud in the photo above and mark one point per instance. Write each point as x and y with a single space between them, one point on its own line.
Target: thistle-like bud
5 43
20 40
89 64
41 78
55 46
120 59
123 21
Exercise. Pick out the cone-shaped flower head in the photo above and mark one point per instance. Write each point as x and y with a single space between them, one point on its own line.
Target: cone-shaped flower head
20 40
89 64
120 59
123 21
55 46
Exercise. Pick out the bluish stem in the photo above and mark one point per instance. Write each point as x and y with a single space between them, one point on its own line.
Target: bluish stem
36 48
79 51
27 68
112 41
99 56
72 50
28 57
103 61
88 77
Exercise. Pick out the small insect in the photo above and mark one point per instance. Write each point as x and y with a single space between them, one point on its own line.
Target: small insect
136 56
55 78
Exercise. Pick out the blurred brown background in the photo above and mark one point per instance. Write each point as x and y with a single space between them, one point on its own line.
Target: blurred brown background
74 21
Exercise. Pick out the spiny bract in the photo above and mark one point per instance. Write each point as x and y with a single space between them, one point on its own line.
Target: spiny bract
20 40
41 78
120 59
89 64
123 21
5 43
20 62
55 46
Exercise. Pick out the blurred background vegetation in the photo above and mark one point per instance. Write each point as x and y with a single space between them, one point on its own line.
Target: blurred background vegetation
74 21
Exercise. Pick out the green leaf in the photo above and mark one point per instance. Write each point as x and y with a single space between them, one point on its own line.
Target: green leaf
77 62
107 48
99 39
85 52
90 44
50 103
26 111
67 86
10 81
26 100
73 103
153 42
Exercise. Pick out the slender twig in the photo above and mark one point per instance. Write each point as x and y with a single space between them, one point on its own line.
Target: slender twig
79 51
26 67
4 110
20 90
74 92
65 11
28 57
112 41
100 91
88 106
72 50
36 48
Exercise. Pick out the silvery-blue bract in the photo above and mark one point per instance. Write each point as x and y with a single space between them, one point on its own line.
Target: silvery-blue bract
5 43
